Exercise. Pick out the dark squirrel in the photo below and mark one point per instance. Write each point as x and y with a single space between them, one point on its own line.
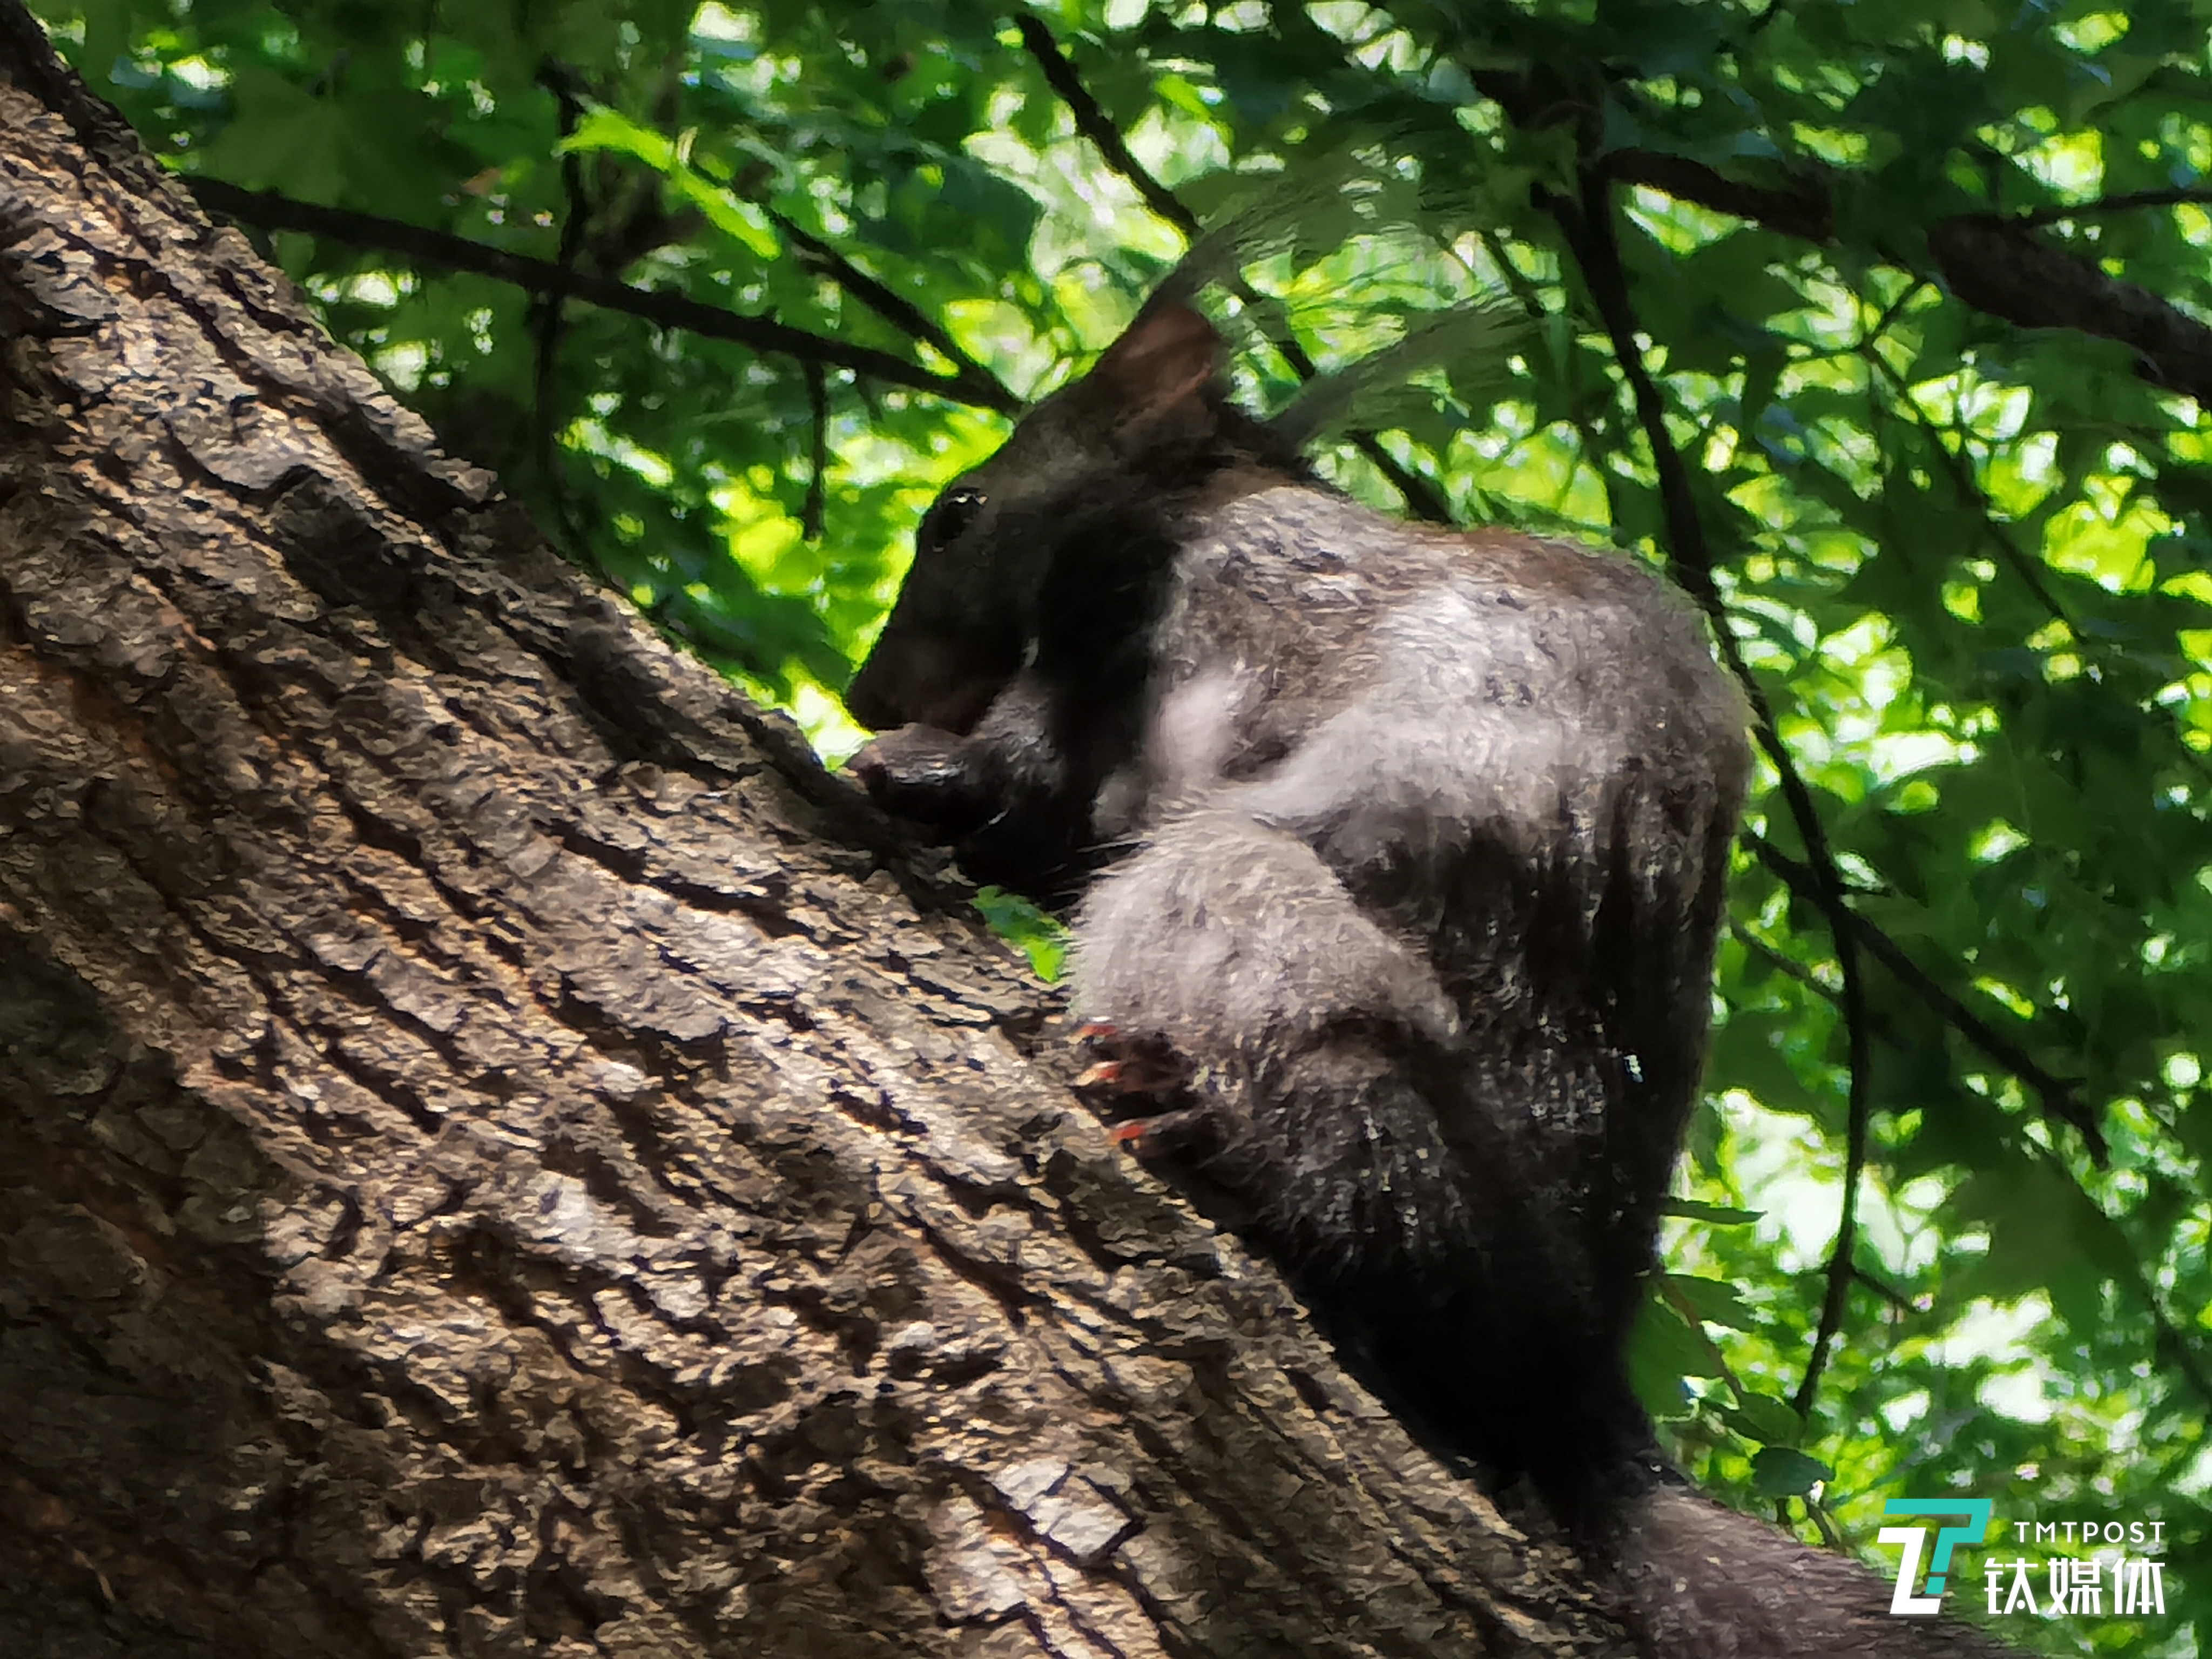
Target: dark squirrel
1399 859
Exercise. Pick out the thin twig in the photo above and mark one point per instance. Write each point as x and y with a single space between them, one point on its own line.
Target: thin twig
1858 1129
1421 498
1786 965
1672 1295
900 313
2126 202
2028 570
1891 955
2174 1342
1890 312
816 510
272 211
552 301
1887 1292
1532 303
2055 1095
1092 122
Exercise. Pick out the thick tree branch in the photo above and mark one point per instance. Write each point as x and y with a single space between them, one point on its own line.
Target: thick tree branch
1996 264
2005 268
494 1157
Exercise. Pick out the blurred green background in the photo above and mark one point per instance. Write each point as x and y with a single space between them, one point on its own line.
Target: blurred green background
1878 323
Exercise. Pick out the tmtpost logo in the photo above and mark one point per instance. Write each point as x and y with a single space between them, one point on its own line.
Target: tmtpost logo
2074 1584
1970 1524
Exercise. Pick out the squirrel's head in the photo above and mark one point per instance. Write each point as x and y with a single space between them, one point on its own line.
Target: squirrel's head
1090 478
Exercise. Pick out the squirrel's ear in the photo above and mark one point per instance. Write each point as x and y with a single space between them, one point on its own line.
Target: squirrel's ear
1169 356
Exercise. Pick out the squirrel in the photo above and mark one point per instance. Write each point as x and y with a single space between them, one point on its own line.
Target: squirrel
1397 857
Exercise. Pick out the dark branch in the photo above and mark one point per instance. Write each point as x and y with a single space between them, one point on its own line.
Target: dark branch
2031 573
2173 1343
1882 1288
1858 1129
1788 966
2004 268
550 305
2055 1095
270 211
1997 266
895 309
1590 234
1587 225
2132 201
817 478
1798 207
1092 122
1532 303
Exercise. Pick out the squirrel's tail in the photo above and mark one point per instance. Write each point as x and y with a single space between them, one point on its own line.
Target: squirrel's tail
1691 1579
1699 1580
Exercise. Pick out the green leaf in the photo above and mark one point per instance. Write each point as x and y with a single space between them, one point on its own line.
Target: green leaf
605 130
1662 1350
1015 919
1711 1301
1714 1215
1762 1418
1783 1472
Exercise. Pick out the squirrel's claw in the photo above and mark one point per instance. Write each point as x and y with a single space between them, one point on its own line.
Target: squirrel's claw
1159 1131
1131 1067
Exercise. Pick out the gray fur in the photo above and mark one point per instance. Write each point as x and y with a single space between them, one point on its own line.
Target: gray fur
1395 778
1407 845
1401 854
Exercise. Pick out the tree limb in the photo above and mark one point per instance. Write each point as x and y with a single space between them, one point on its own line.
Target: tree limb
1996 264
2004 268
2128 201
498 1154
894 308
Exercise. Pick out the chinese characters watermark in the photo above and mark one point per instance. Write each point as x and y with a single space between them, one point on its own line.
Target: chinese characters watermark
2071 1585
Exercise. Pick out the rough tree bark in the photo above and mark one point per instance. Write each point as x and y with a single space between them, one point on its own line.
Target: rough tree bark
497 1154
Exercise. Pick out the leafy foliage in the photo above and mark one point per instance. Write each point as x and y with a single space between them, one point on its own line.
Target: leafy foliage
1946 475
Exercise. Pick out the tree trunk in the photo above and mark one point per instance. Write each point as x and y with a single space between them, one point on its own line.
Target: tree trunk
499 1153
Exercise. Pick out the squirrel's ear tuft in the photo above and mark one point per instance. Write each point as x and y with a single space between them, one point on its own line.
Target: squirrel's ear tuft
1169 356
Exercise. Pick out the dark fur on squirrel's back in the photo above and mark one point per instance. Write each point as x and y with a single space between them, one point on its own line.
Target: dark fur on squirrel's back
1404 851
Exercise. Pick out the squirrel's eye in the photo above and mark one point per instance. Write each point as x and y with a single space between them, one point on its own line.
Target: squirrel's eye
949 518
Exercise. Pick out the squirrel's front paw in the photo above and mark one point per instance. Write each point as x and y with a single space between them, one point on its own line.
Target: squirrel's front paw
928 775
1129 1065
1174 1111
